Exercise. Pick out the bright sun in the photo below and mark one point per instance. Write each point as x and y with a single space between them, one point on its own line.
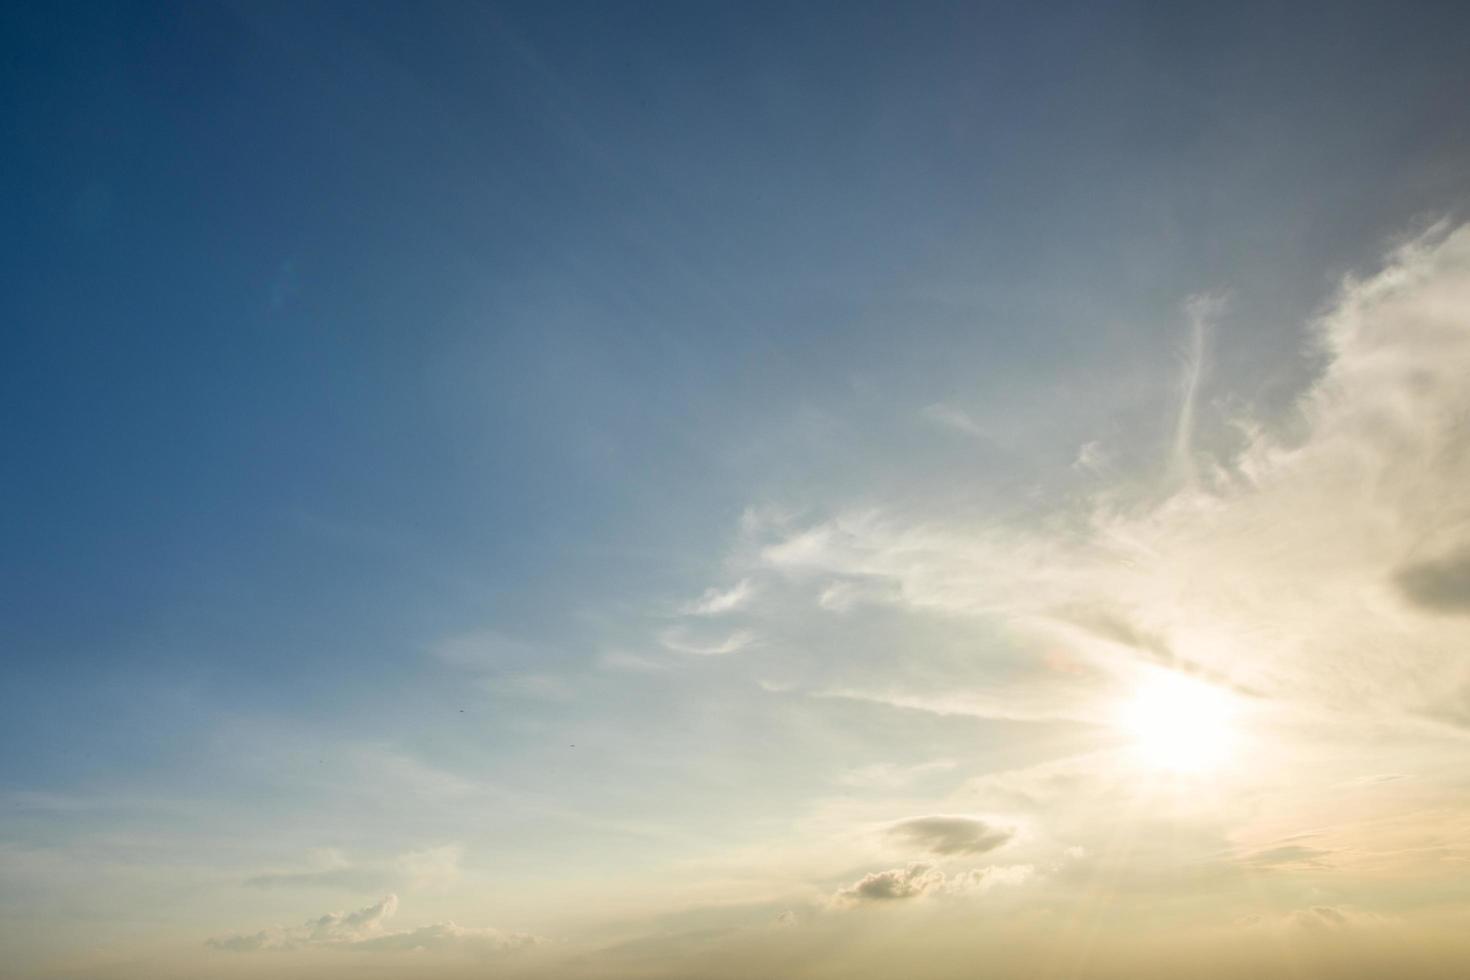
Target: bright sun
1180 725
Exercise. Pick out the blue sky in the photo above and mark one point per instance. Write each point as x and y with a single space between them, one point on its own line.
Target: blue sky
547 444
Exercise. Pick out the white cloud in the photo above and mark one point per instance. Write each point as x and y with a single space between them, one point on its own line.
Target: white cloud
716 602
1312 566
682 640
888 775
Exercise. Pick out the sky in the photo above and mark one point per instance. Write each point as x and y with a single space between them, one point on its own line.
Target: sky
713 490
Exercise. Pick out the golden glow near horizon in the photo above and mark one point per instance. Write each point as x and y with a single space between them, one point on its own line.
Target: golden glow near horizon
1178 724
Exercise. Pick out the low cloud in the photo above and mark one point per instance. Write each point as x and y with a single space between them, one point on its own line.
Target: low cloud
949 835
365 930
332 929
919 879
891 885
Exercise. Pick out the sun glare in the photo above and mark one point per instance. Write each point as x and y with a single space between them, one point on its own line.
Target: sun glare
1180 725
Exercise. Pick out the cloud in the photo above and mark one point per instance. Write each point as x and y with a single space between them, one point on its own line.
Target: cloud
919 879
1297 856
887 775
681 640
949 835
1201 310
332 929
716 602
346 879
622 660
1441 586
951 417
1320 921
365 930
448 935
1279 567
332 871
1092 457
893 884
978 880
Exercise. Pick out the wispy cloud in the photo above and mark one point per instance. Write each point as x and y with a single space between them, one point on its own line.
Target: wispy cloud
1201 312
953 418
683 640
716 602
1300 567
366 930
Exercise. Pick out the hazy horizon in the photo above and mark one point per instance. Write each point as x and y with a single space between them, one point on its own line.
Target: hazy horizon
721 490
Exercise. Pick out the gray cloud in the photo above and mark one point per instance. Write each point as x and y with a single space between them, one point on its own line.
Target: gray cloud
919 878
895 883
950 835
1441 586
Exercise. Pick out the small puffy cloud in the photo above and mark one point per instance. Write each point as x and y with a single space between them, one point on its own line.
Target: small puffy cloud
893 884
947 835
920 879
365 930
354 926
716 602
